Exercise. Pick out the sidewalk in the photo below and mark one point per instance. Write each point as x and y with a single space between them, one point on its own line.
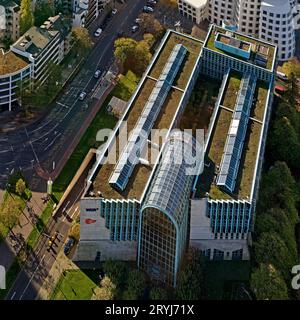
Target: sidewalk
61 264
15 240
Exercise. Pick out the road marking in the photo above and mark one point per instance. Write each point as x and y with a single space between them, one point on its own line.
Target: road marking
13 295
4 151
51 143
32 277
74 213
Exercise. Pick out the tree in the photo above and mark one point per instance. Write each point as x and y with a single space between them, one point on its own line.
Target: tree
116 271
75 231
43 10
9 213
135 285
26 16
189 279
271 249
13 179
81 41
132 55
151 25
291 66
267 283
20 187
107 290
157 293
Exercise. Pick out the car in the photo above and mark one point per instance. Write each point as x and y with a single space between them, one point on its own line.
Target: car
68 246
120 34
114 11
135 28
98 32
97 73
138 20
82 96
151 3
148 9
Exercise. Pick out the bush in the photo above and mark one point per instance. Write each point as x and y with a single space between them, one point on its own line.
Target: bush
117 271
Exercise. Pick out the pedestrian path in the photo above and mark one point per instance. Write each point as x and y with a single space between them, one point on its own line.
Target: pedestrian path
16 239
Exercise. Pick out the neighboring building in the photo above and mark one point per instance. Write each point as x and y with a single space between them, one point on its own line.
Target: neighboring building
13 69
152 209
277 27
9 20
196 10
268 20
49 42
85 12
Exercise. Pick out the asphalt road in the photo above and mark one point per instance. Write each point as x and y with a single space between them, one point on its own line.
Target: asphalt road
43 143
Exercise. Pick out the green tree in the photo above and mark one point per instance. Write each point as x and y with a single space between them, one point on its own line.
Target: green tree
81 41
20 187
270 248
190 276
43 10
267 284
157 293
291 66
117 271
10 212
26 16
135 285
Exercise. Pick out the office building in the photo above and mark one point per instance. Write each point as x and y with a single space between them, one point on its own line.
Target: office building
9 21
136 207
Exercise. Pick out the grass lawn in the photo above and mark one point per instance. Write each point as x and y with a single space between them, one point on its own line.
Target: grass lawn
220 276
75 285
123 90
260 96
231 91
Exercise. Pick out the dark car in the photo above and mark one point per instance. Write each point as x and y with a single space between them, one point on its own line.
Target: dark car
120 34
68 246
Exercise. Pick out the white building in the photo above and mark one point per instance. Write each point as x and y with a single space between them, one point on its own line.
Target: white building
194 9
43 44
270 20
277 27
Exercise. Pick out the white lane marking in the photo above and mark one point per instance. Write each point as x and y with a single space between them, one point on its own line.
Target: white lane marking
51 143
4 151
12 297
74 212
32 277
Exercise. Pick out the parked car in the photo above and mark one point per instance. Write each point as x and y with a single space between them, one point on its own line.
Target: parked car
97 73
148 9
98 32
82 96
68 246
151 3
135 28
114 11
120 34
138 21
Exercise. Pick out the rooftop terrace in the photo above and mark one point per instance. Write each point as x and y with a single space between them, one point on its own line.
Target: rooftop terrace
10 63
141 173
260 51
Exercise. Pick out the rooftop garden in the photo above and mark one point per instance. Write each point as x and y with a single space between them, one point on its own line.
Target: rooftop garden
193 47
210 44
260 98
231 90
10 62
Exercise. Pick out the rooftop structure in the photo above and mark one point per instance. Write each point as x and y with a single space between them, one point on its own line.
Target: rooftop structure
11 63
241 47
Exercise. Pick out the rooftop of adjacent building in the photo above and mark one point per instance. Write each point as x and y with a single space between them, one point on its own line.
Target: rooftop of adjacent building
10 4
10 63
277 6
36 39
141 173
196 3
259 49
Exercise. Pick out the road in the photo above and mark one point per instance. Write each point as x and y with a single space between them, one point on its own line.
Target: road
46 141
41 145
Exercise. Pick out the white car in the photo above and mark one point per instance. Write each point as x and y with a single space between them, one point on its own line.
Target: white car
148 9
135 28
114 11
82 96
98 32
138 20
97 74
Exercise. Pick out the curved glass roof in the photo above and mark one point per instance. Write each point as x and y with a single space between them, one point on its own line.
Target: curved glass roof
173 180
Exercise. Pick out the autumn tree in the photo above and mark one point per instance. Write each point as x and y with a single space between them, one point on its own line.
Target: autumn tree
10 211
151 25
267 283
20 187
75 231
107 290
81 41
26 16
